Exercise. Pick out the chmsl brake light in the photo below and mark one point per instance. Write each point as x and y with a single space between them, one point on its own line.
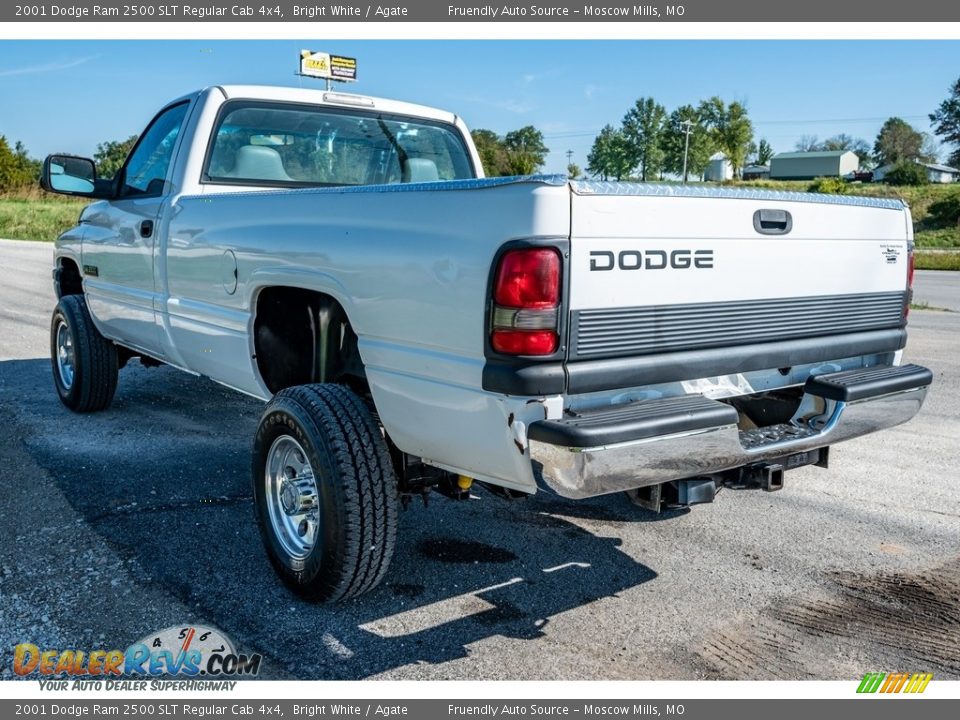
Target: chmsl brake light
526 297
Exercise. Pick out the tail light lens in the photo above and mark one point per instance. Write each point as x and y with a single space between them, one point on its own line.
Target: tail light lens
521 342
910 268
526 297
528 278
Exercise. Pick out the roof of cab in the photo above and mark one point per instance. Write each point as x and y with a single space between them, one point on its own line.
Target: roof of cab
329 98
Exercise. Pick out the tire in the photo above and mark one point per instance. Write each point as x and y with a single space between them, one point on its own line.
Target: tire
85 368
325 492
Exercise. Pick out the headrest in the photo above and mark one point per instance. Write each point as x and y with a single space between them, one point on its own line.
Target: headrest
258 162
417 170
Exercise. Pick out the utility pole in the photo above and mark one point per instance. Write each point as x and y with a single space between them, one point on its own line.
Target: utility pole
687 129
569 159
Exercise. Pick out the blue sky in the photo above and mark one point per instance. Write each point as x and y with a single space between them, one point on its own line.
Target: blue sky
70 95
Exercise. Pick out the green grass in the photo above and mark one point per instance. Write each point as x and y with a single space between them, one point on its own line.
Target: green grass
926 306
937 260
42 217
939 238
919 198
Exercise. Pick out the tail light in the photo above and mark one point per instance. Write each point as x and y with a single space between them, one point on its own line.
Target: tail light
526 302
910 268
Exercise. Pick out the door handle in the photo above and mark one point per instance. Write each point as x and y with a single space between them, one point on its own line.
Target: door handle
146 228
772 222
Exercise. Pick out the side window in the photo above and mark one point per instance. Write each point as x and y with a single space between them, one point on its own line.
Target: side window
146 168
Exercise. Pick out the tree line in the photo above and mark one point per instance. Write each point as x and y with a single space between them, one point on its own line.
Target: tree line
519 152
650 142
897 142
18 170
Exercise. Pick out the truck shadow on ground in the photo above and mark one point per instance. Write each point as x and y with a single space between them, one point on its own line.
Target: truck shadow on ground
163 477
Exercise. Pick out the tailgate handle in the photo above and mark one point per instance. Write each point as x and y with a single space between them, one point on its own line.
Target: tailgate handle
772 222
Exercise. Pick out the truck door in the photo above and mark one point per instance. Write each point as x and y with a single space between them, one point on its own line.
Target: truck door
118 244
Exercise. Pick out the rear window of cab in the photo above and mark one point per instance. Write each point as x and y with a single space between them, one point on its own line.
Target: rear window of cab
285 144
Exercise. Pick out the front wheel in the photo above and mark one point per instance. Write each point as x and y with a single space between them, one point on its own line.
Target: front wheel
325 492
85 367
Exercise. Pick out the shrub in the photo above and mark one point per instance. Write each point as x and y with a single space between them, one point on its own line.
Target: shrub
17 170
832 185
907 173
946 212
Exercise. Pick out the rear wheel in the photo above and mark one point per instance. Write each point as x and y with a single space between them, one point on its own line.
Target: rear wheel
85 368
325 492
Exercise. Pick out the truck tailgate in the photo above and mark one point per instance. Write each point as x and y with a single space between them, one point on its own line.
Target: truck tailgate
665 269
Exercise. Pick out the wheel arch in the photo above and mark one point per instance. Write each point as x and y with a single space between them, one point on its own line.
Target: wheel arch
67 277
302 331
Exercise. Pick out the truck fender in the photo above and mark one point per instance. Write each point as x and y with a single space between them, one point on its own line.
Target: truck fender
304 278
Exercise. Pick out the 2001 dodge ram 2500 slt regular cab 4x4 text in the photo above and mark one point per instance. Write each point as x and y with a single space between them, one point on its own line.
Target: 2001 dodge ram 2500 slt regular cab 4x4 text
416 326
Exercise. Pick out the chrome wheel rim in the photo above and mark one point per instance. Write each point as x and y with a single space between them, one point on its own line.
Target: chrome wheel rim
292 498
65 355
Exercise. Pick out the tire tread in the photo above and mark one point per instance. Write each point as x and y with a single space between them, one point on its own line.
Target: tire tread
96 370
366 485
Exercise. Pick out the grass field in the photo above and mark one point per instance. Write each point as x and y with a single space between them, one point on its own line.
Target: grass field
35 215
938 238
926 260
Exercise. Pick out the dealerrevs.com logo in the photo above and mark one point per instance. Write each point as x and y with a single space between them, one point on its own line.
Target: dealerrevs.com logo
184 651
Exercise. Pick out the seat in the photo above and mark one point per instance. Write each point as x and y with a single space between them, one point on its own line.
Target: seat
417 170
258 162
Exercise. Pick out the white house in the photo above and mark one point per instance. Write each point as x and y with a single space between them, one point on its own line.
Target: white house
935 173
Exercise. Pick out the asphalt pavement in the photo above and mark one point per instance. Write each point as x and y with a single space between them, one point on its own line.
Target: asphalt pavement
120 523
938 289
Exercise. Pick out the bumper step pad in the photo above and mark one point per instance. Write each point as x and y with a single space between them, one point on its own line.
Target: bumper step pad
773 434
854 385
634 421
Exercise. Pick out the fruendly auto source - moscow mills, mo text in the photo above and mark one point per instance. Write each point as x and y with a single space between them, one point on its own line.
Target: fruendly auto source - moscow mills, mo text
555 11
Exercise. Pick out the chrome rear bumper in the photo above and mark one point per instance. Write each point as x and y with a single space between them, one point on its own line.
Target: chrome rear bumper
581 472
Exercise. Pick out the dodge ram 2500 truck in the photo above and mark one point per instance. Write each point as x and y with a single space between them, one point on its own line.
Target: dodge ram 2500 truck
416 326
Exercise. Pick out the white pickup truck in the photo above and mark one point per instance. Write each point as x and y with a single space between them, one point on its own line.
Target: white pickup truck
416 326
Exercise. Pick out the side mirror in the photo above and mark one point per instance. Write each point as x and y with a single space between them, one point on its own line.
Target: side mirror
70 175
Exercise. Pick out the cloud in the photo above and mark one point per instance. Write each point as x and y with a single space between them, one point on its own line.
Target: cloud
47 67
512 105
519 107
